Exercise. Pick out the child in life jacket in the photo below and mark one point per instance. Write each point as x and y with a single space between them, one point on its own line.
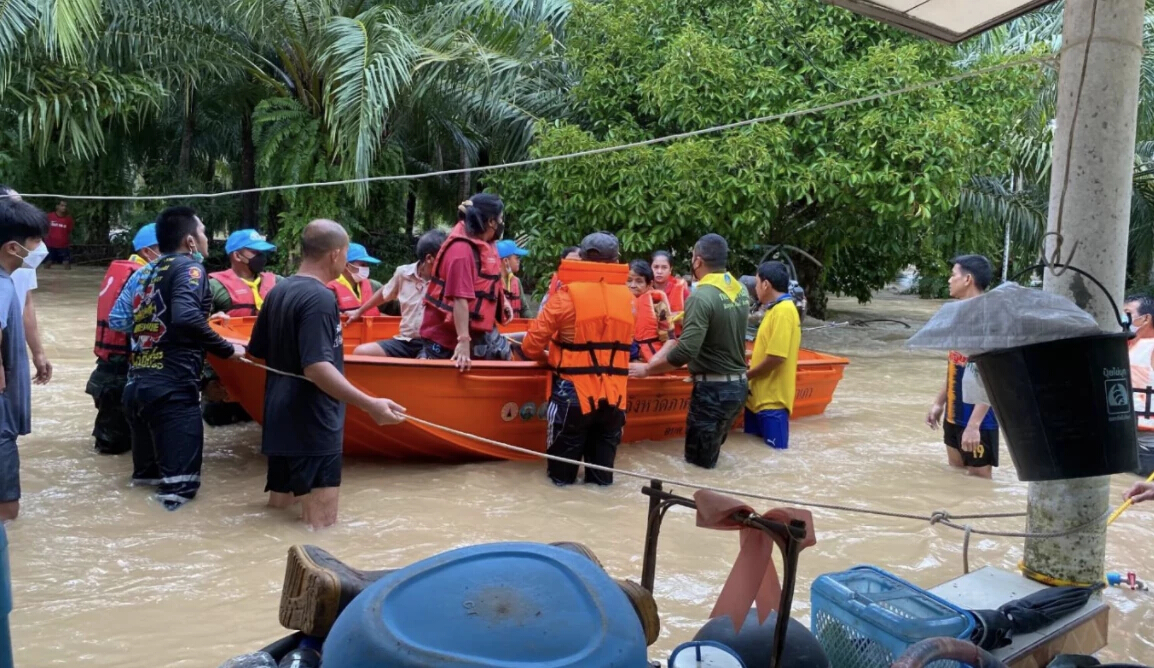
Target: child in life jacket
650 310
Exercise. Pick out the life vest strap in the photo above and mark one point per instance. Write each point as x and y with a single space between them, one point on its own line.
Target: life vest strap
591 346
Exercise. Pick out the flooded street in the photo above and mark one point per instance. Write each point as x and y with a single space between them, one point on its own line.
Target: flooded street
103 576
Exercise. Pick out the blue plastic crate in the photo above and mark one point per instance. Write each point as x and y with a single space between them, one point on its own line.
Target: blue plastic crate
866 618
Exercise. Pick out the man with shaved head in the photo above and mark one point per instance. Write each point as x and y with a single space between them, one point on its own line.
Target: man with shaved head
298 332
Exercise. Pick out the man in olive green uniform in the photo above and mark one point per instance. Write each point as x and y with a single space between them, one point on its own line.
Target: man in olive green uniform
712 344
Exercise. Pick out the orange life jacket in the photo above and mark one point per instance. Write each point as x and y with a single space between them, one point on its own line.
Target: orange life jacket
486 289
239 292
676 289
110 342
347 301
1142 377
514 296
597 360
554 285
645 331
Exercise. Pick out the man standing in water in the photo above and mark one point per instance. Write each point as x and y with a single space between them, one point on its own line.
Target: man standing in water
298 333
59 239
971 431
1140 310
773 365
237 292
712 343
22 229
585 334
170 335
106 384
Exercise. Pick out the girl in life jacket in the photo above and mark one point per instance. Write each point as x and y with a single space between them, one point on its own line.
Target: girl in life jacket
650 312
465 299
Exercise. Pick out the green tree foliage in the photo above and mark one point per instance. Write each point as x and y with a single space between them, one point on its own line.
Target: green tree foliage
858 187
206 95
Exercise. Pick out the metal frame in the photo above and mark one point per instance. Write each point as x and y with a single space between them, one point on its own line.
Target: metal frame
931 30
790 537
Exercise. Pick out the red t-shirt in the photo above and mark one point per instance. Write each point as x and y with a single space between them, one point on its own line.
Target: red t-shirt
459 267
59 231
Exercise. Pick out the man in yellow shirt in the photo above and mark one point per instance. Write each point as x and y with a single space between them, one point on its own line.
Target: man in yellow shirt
773 368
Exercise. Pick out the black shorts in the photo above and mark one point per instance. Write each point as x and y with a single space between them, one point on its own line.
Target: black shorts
301 475
987 454
401 348
60 255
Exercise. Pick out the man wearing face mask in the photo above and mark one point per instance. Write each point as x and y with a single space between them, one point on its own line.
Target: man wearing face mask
1140 310
465 300
237 292
354 288
240 290
170 336
106 384
299 334
22 230
712 344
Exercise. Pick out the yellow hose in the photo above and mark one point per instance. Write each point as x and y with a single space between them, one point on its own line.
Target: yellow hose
1059 582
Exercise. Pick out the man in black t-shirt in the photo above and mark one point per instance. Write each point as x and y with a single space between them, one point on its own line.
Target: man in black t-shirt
170 334
298 332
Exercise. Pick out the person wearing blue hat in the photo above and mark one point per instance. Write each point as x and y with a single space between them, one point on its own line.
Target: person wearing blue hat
354 287
511 255
237 292
106 384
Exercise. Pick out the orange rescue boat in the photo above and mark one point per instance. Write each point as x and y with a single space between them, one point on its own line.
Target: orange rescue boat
502 401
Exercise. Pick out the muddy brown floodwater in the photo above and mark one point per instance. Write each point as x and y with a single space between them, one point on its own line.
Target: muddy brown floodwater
102 576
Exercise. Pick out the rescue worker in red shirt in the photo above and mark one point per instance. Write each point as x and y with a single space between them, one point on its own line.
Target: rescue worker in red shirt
237 292
568 253
354 287
106 384
511 255
464 300
584 333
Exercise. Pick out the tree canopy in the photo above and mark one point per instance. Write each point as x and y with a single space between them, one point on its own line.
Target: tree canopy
859 187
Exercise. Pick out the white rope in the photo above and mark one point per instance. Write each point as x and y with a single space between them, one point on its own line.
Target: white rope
937 517
568 156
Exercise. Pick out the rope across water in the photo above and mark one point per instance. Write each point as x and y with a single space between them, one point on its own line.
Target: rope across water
937 517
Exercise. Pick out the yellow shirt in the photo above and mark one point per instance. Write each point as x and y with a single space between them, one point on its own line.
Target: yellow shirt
254 285
778 336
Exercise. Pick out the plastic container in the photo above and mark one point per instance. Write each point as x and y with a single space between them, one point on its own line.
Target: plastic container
497 605
867 618
1065 406
704 654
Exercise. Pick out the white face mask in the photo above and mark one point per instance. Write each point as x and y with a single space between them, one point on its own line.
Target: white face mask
361 272
35 257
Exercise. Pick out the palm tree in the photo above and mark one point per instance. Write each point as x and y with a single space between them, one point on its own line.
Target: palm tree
1020 211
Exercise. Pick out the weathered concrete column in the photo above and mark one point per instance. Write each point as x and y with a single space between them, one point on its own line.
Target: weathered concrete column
1096 216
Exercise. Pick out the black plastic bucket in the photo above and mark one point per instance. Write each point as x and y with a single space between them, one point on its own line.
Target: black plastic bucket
1065 406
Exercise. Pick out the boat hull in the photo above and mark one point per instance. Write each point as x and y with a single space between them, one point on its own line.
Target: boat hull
499 401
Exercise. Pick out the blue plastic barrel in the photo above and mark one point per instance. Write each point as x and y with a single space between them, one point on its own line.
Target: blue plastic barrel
499 605
6 660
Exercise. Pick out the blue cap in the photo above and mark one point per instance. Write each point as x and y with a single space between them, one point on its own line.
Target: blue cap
145 237
358 253
507 247
250 239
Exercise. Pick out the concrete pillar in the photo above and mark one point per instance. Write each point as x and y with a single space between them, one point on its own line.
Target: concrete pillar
1096 216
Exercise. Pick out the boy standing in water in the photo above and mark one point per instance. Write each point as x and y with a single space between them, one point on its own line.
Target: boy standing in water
971 431
773 367
298 333
22 229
